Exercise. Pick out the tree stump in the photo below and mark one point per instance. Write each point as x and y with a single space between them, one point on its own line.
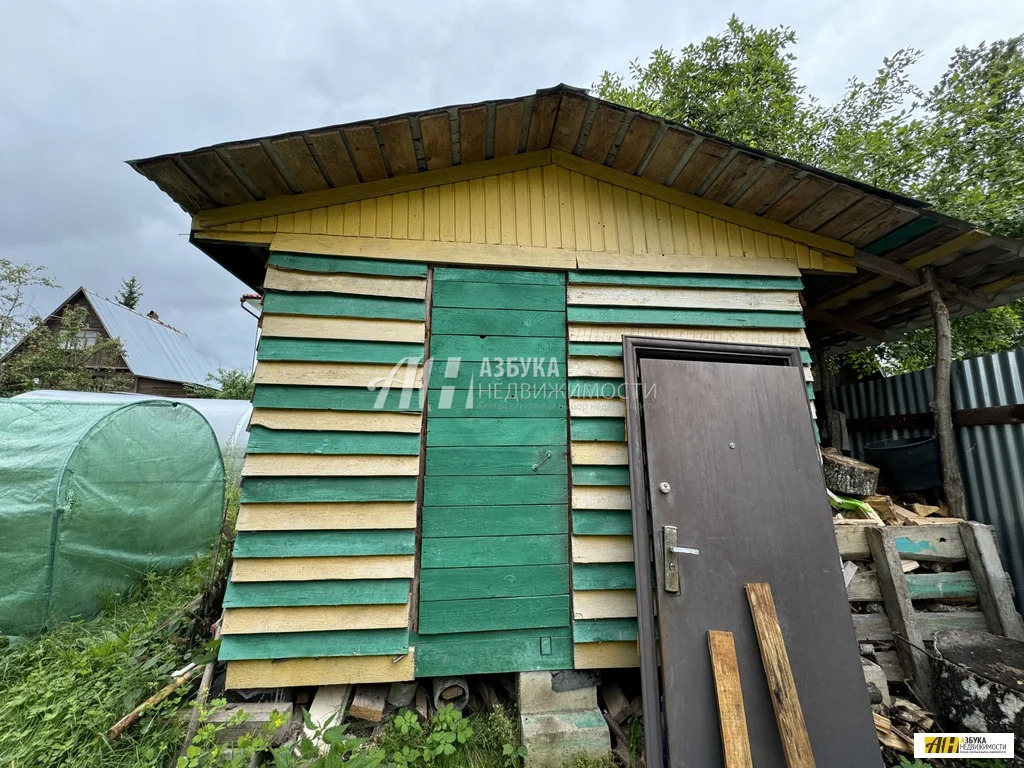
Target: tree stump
848 476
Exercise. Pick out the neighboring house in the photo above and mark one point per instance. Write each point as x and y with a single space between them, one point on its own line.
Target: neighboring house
159 359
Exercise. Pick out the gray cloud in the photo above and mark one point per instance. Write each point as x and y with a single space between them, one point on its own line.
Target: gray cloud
89 85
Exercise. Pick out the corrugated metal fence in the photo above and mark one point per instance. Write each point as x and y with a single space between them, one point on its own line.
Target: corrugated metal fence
991 456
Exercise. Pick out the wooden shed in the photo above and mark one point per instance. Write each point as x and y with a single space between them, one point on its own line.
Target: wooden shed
472 515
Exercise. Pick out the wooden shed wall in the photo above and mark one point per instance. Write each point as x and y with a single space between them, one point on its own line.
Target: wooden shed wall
328 540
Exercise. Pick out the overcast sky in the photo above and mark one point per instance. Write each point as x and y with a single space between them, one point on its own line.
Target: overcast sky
87 85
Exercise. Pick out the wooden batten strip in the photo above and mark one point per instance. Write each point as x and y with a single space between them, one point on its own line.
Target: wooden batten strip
350 328
602 549
320 465
315 618
337 374
600 497
660 262
781 337
334 670
396 287
597 407
312 516
600 453
606 368
481 254
684 298
336 421
604 604
610 655
323 568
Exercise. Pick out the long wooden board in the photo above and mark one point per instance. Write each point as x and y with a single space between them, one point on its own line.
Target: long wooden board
731 714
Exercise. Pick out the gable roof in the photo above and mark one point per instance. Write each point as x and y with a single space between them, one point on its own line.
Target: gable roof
152 349
889 237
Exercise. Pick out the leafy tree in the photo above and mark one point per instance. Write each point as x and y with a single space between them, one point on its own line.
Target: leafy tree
16 282
959 144
235 384
66 358
131 292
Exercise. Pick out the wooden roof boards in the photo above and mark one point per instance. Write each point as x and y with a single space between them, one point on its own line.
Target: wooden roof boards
888 235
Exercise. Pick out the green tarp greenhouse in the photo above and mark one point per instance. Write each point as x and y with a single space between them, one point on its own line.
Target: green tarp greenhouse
94 495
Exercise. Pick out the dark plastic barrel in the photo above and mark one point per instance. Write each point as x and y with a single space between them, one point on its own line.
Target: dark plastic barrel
906 463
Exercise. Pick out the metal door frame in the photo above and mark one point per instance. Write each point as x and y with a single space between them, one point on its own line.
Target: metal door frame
635 348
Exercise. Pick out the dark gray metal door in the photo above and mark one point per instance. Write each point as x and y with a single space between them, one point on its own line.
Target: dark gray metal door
732 464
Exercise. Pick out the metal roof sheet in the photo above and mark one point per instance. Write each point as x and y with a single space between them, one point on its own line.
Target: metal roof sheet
152 349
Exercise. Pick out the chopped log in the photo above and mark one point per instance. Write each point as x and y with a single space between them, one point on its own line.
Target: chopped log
846 475
615 702
369 703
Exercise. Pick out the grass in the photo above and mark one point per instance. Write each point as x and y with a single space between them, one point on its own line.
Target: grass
61 691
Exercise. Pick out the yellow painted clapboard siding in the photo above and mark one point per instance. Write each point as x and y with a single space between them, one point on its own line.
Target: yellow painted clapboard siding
327 516
783 337
436 252
314 618
684 298
322 568
600 497
597 406
600 367
346 328
325 670
328 465
392 287
603 453
336 421
602 549
705 262
336 374
610 655
604 604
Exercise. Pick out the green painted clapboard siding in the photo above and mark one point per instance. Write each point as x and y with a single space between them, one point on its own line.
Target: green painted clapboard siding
591 576
298 489
805 357
513 520
471 551
481 653
264 440
324 543
475 490
334 398
714 318
505 276
490 614
494 581
602 522
751 283
501 401
335 351
498 296
604 630
531 372
498 460
499 430
604 428
498 322
477 348
256 594
599 475
299 645
342 305
594 349
329 264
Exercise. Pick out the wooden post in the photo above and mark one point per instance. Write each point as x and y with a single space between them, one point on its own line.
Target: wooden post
952 485
828 403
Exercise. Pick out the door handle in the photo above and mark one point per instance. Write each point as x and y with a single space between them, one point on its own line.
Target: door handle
670 538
